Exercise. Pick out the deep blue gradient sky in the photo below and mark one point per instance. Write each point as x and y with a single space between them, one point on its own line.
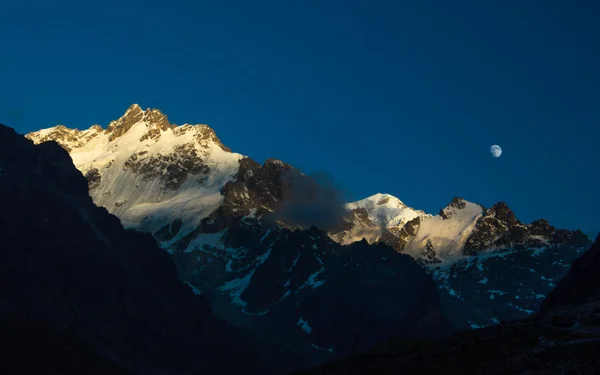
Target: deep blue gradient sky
387 96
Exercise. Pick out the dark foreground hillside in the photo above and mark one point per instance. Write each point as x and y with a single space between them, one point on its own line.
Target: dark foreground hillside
563 339
70 266
38 348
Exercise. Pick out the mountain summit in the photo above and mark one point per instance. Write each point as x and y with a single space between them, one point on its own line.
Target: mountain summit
147 171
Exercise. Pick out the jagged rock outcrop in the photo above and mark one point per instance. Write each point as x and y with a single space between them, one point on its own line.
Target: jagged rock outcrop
456 203
405 234
70 264
429 256
499 229
255 191
496 221
134 115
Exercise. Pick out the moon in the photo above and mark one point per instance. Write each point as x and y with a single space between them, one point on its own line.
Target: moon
496 151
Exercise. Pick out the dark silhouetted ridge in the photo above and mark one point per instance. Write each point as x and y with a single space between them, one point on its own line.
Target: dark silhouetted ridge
70 265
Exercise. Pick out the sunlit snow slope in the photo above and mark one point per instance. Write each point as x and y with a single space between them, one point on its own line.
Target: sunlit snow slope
448 231
386 210
147 171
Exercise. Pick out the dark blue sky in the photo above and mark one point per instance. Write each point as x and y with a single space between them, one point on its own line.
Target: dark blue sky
387 96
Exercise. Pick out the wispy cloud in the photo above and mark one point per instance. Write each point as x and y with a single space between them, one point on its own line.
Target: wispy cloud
315 199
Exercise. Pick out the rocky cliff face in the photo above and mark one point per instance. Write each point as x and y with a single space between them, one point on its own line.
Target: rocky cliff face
70 264
499 229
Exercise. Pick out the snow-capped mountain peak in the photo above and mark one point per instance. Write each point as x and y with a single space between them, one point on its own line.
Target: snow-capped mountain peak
378 199
148 171
434 239
446 233
134 114
378 218
386 210
458 207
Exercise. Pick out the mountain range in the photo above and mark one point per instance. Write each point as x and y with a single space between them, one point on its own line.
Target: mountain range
163 173
280 255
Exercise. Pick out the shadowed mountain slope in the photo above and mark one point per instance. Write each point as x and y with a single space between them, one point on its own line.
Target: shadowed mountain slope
69 264
563 339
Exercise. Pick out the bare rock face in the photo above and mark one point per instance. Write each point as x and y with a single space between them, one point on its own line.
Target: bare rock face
457 203
256 191
496 222
93 178
499 228
172 169
133 115
258 186
68 263
155 116
406 234
541 227
429 256
275 192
